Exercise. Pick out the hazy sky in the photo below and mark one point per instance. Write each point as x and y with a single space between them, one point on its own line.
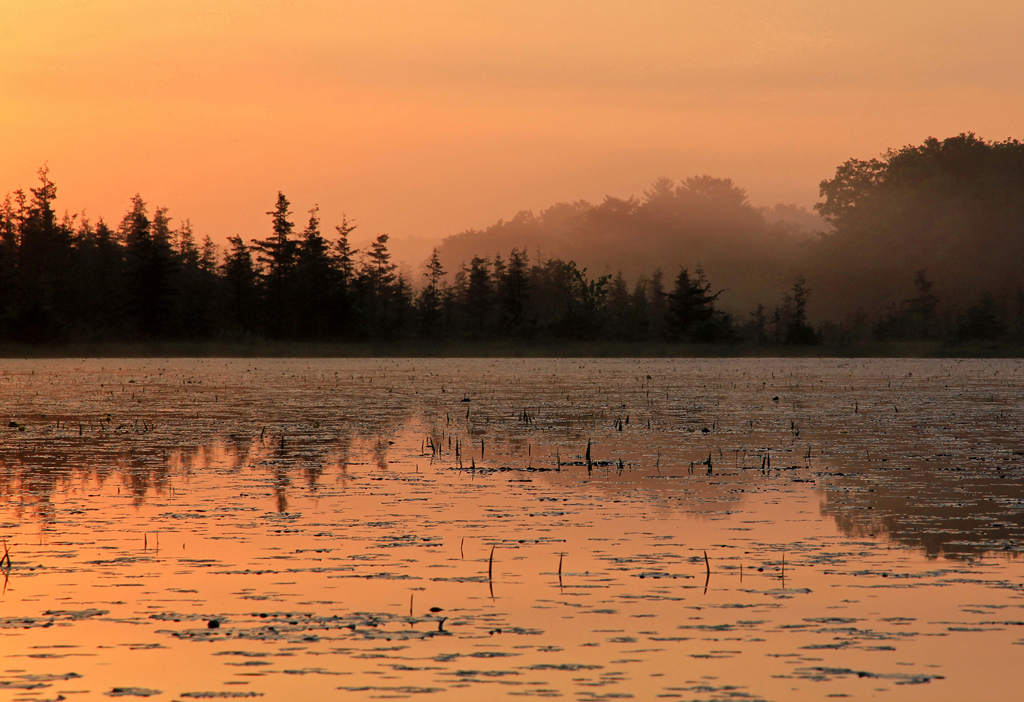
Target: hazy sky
423 118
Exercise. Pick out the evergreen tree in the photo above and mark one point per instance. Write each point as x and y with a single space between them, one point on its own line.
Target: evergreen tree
149 270
240 282
432 298
105 279
315 274
691 313
479 297
195 288
404 309
620 309
514 293
342 306
188 252
211 283
656 308
640 306
11 217
378 291
276 255
759 324
585 306
44 257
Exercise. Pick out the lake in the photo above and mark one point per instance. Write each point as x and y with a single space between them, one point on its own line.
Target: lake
746 529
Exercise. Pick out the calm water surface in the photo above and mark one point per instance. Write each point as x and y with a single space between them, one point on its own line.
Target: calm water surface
453 529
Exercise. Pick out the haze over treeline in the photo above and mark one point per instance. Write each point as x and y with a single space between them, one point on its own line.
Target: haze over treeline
926 242
752 253
953 209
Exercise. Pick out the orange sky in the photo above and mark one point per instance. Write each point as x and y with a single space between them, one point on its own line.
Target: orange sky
422 118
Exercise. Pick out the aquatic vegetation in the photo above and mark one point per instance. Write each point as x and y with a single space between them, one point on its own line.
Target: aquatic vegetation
253 528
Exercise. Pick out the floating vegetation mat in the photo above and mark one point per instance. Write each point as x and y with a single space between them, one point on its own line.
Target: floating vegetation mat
476 529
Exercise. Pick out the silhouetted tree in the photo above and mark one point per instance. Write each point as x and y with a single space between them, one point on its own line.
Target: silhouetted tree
276 254
196 284
100 280
620 305
378 291
582 312
954 207
478 300
315 281
11 218
691 313
799 331
149 269
342 304
404 309
431 298
241 293
514 293
657 307
640 306
44 256
674 223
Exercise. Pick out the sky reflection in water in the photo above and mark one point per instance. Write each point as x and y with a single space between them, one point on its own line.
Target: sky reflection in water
237 528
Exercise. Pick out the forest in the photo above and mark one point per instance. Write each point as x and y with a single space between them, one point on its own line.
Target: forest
923 243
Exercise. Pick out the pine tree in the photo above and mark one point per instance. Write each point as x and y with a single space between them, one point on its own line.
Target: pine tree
640 304
432 297
479 297
619 308
691 313
342 304
44 257
240 286
11 216
689 303
759 322
514 293
277 259
315 276
149 270
109 281
195 289
377 283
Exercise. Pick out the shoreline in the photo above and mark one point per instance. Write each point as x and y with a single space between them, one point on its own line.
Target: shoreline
509 349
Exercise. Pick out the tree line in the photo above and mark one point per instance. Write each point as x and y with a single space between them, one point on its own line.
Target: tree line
69 279
925 243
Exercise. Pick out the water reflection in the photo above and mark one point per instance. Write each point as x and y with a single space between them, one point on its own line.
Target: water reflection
941 475
474 527
943 510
